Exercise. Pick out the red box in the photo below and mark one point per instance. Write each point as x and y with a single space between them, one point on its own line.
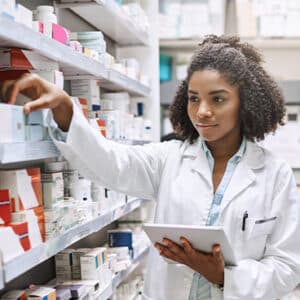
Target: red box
12 74
5 210
84 106
21 229
15 59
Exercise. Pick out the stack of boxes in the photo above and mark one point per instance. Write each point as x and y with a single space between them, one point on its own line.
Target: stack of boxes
25 203
268 18
93 44
75 265
192 19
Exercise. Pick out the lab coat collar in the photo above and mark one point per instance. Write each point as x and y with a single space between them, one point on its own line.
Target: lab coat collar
243 176
253 157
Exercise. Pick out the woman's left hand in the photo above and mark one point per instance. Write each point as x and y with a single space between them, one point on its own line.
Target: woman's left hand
209 265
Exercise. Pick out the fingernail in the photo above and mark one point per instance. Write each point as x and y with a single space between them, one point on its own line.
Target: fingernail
26 109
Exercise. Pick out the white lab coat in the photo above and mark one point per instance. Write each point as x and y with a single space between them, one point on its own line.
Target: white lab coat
178 177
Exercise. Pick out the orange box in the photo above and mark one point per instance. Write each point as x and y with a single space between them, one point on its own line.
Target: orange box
5 211
21 229
102 126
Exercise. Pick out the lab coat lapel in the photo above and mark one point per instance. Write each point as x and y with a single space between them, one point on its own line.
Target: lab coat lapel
199 162
244 174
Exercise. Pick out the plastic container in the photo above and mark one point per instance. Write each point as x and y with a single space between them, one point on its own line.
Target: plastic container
45 14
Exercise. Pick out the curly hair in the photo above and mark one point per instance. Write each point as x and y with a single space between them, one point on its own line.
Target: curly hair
262 106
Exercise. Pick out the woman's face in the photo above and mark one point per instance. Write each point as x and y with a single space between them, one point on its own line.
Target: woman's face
213 106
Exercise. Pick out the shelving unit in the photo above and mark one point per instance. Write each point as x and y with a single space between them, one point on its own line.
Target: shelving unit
108 17
32 152
120 82
73 64
121 276
37 255
26 152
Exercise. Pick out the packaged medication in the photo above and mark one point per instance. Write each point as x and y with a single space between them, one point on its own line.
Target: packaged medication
42 293
8 9
53 189
24 15
45 14
12 123
24 187
5 210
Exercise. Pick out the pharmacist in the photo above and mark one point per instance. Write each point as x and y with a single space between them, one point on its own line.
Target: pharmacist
218 176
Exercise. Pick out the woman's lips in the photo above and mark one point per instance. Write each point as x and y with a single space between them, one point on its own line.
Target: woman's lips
205 126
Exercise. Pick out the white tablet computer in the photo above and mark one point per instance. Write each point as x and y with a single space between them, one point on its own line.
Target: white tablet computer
201 237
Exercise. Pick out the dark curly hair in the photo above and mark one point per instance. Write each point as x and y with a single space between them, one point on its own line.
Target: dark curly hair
262 105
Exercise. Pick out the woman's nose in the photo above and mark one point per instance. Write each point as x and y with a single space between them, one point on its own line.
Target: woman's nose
204 110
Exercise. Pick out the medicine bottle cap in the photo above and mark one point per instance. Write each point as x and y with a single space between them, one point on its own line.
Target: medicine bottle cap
45 8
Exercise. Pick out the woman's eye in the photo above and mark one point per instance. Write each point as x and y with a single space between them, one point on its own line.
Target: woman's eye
218 99
193 98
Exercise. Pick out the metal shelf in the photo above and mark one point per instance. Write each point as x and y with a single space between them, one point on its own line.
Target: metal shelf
14 153
120 82
74 65
27 152
108 17
37 255
13 34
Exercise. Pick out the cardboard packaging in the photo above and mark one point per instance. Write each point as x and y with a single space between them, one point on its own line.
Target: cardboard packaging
61 34
21 229
18 59
5 211
42 293
24 15
12 123
24 187
12 246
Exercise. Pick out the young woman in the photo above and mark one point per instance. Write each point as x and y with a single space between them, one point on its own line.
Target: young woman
219 175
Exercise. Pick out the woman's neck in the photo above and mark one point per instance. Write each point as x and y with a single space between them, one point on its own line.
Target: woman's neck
225 148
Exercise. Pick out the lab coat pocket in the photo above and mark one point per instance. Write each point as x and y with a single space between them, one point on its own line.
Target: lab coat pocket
260 227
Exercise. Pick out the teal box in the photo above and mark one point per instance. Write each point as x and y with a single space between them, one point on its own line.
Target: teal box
165 67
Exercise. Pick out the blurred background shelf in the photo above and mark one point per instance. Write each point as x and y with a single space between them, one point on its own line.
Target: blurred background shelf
110 19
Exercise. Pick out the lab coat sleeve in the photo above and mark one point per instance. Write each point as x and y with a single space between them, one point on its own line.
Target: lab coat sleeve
134 170
278 272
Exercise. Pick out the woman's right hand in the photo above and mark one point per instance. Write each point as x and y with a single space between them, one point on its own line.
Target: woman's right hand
44 95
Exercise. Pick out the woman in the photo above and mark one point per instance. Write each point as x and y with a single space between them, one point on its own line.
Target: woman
217 176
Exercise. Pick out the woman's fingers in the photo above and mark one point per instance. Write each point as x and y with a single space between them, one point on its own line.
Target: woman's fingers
27 81
217 254
167 253
43 102
188 248
5 89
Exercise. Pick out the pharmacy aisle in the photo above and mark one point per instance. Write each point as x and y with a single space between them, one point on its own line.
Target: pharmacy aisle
66 236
